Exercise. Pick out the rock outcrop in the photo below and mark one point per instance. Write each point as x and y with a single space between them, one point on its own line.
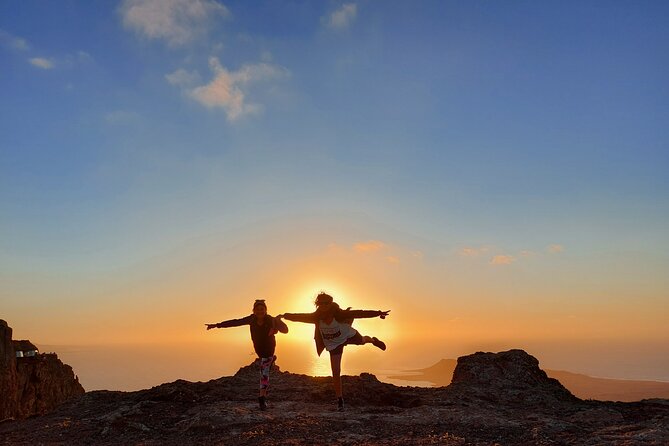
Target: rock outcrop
302 412
32 385
511 377
8 379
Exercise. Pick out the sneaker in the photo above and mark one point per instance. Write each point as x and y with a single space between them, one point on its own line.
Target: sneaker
262 402
340 403
379 343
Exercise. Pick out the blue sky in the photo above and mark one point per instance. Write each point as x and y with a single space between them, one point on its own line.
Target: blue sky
454 129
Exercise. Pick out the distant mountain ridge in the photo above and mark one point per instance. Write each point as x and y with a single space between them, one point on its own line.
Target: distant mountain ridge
582 386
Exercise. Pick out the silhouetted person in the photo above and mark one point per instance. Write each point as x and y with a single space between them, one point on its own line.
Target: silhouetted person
333 331
263 328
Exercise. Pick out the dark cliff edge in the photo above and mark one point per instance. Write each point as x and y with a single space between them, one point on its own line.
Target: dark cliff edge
33 383
495 399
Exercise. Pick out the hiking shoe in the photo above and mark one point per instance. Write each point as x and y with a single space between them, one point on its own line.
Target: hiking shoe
262 402
379 343
340 403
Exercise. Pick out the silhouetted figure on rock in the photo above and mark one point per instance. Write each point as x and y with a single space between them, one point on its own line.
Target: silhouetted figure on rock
263 328
333 331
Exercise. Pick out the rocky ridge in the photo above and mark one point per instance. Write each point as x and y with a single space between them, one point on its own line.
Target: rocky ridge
495 399
32 385
580 385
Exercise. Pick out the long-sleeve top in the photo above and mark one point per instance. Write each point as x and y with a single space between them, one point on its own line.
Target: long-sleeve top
345 316
262 335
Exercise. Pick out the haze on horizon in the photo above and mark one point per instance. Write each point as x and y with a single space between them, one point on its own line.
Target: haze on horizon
493 173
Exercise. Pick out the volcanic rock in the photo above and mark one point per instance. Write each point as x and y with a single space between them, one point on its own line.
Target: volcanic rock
8 379
33 385
510 378
302 412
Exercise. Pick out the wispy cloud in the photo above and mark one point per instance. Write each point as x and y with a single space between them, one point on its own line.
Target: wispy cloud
554 249
417 255
469 251
12 42
183 78
342 17
227 90
393 259
175 21
41 62
501 259
369 246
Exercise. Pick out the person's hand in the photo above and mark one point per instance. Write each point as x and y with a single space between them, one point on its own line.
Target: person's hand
384 314
210 326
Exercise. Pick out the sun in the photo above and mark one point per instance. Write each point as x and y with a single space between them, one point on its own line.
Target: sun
306 293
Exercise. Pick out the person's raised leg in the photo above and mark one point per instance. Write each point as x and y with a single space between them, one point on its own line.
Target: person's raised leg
375 341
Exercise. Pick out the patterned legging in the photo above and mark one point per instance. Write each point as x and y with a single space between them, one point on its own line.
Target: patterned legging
265 366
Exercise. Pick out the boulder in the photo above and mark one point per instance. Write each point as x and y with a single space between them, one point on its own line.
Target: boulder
507 378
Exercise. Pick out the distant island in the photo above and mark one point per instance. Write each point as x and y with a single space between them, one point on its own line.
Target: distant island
582 386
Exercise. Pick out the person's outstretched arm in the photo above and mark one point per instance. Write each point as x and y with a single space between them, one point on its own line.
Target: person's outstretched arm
309 318
231 323
361 314
280 325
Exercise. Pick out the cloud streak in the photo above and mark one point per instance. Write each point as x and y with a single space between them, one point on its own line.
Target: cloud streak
176 22
502 260
41 62
469 251
13 42
555 249
369 246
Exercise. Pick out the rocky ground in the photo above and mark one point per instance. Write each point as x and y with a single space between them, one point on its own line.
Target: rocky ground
495 399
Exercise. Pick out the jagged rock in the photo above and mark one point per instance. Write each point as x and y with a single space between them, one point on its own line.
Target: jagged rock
8 379
32 385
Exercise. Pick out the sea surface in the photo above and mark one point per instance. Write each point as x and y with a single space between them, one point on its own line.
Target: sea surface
135 367
140 366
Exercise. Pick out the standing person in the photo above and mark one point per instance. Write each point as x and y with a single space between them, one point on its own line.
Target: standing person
333 331
263 328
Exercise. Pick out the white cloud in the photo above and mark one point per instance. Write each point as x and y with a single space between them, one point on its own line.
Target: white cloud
13 42
342 17
228 88
555 249
502 260
175 21
41 62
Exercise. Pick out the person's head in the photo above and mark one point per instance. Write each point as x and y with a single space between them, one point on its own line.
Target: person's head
260 308
325 305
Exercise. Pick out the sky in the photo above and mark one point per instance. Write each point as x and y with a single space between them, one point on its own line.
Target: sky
494 173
